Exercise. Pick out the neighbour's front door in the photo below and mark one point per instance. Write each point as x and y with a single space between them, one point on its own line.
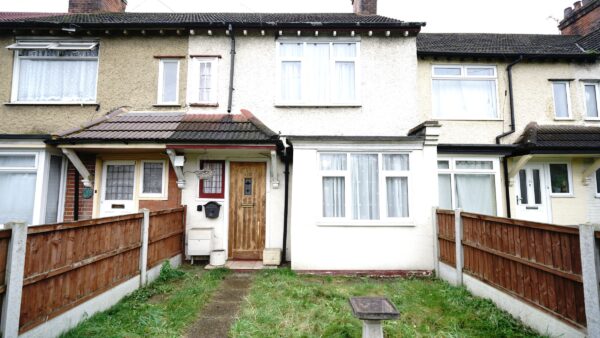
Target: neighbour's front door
247 210
118 181
532 194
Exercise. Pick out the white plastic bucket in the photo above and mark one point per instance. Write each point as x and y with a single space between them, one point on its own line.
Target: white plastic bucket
217 258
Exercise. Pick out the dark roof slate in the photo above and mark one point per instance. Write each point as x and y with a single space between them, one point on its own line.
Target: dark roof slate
591 42
559 136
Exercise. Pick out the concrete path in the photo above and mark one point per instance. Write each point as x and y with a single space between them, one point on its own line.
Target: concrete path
221 311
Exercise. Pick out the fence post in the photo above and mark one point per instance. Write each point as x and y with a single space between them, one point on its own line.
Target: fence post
436 245
590 270
458 246
15 268
144 248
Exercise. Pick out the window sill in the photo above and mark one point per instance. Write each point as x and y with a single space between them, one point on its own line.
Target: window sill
204 105
324 105
153 198
367 224
51 104
570 195
174 105
495 119
592 119
564 119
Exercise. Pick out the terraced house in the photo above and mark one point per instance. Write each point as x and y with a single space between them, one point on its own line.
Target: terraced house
326 137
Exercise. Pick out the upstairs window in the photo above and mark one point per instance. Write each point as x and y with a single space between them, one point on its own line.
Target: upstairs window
55 72
318 73
560 93
464 92
168 81
202 87
592 105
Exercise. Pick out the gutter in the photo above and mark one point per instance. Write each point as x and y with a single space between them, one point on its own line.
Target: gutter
231 67
42 137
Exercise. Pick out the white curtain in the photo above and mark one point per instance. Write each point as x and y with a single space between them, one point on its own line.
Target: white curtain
205 94
291 87
397 196
18 194
591 101
334 197
561 103
476 193
213 184
445 191
365 186
17 161
57 80
333 161
53 193
474 165
317 74
344 89
464 98
395 162
169 79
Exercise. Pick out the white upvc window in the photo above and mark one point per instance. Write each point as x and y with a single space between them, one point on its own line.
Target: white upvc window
591 92
364 187
562 100
202 83
561 180
18 178
54 72
154 175
462 92
314 72
472 184
168 82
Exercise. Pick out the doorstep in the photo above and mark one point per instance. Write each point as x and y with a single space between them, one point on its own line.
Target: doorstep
243 266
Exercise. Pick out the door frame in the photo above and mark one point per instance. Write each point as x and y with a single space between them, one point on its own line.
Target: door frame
103 177
545 173
227 203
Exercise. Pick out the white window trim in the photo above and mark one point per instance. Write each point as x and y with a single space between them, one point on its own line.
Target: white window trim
161 88
153 196
585 108
46 45
568 90
279 102
383 220
193 88
452 170
463 76
569 175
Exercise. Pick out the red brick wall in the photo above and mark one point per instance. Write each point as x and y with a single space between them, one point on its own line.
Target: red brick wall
93 6
85 205
582 21
174 200
365 7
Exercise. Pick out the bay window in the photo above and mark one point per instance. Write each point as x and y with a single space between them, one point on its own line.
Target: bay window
54 72
464 92
318 73
364 186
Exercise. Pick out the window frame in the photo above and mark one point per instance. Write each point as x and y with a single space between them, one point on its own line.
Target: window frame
201 193
51 45
161 88
463 76
384 219
452 171
193 88
165 175
585 107
280 102
568 94
571 192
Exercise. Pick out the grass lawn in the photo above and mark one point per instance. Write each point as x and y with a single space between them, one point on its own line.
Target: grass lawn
283 304
162 309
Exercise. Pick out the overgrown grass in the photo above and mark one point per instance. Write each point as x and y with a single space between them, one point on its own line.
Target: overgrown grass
283 304
162 309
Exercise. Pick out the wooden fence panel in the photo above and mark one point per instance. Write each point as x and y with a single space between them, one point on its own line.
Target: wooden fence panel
4 242
165 239
67 264
539 263
446 236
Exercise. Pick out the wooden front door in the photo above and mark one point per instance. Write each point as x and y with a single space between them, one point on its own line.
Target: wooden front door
247 202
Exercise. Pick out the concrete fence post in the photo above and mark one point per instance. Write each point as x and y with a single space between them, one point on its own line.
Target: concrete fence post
458 245
590 268
144 248
436 244
15 268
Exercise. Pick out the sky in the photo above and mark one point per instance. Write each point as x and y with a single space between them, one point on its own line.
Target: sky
500 16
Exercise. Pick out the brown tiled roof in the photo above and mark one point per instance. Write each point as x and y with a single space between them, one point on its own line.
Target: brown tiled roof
17 16
559 136
175 127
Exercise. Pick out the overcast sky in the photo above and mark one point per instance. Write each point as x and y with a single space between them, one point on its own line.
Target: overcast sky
504 16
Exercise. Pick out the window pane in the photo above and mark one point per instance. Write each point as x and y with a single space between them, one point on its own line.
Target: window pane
523 186
169 83
591 101
480 71
474 165
365 186
290 81
18 206
344 90
53 193
445 191
395 162
214 184
537 192
447 71
598 181
559 178
476 193
57 80
17 161
334 197
205 87
317 72
443 165
333 161
153 178
291 50
397 196
119 182
344 50
561 103
464 98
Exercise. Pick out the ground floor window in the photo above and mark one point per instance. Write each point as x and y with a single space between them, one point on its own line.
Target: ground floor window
364 186
471 184
560 178
18 174
212 185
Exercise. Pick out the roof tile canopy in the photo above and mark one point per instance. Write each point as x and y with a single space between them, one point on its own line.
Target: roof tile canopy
560 137
174 127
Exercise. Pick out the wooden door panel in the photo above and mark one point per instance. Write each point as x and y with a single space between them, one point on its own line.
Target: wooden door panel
247 202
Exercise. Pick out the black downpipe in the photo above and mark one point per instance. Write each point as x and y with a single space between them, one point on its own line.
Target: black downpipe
76 197
510 99
286 174
507 197
231 68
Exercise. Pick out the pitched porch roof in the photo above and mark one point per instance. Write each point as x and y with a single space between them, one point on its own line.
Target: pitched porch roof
561 138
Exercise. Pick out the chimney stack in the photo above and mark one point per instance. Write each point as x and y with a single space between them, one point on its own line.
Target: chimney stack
97 6
365 7
581 19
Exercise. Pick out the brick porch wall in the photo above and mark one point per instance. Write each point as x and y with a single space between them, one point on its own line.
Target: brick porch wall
85 205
